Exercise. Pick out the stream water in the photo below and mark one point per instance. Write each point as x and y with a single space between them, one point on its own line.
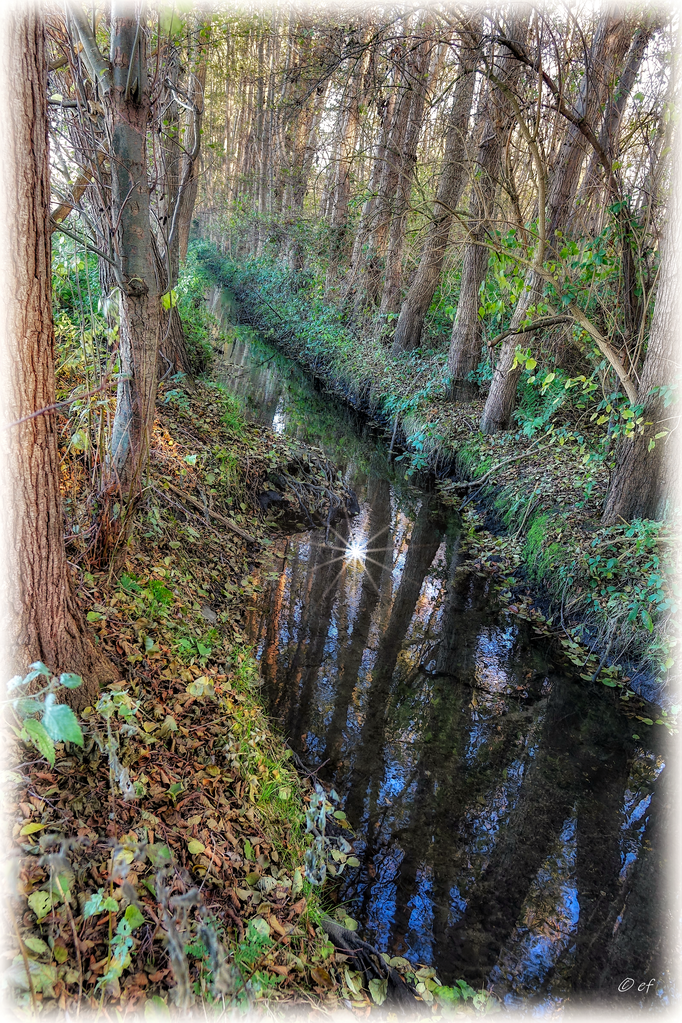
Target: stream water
499 801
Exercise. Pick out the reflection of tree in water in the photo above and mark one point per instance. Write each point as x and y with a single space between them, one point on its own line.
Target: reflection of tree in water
647 926
447 785
291 684
580 766
368 760
350 657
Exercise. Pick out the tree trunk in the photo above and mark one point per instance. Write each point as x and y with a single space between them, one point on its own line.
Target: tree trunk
189 169
172 345
419 70
498 120
357 263
591 188
349 126
139 304
643 479
370 281
612 37
450 186
41 616
609 44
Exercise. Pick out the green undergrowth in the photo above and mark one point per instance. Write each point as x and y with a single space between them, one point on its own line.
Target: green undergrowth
615 584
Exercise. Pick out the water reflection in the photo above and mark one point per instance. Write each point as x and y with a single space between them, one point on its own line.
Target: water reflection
500 803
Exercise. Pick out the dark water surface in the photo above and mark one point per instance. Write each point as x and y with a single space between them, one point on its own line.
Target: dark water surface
500 802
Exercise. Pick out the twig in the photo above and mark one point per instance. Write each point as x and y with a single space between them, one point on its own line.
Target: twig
479 482
24 956
213 514
544 321
75 943
395 430
58 404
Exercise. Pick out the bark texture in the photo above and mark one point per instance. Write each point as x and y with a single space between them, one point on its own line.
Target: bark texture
423 58
498 118
450 186
645 480
42 616
140 297
189 165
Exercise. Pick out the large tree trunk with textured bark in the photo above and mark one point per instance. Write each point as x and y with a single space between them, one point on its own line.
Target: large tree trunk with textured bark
611 38
498 119
647 469
450 186
591 193
41 619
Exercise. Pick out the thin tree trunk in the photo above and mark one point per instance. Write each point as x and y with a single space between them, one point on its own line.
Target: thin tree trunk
41 613
464 354
189 173
340 191
172 346
419 68
367 215
450 186
371 273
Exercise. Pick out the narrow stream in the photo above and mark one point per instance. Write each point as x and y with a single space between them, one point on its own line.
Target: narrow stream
499 801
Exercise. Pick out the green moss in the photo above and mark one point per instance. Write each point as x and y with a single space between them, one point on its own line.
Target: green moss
535 540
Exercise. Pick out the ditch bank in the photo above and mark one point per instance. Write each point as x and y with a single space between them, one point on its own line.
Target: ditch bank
533 503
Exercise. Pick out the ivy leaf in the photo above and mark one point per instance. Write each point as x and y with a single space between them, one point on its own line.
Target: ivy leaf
61 724
35 731
170 299
38 668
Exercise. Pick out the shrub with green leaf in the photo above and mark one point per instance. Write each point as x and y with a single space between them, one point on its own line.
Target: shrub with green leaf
42 721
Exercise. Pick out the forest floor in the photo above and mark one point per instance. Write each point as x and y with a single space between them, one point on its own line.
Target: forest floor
538 491
164 862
